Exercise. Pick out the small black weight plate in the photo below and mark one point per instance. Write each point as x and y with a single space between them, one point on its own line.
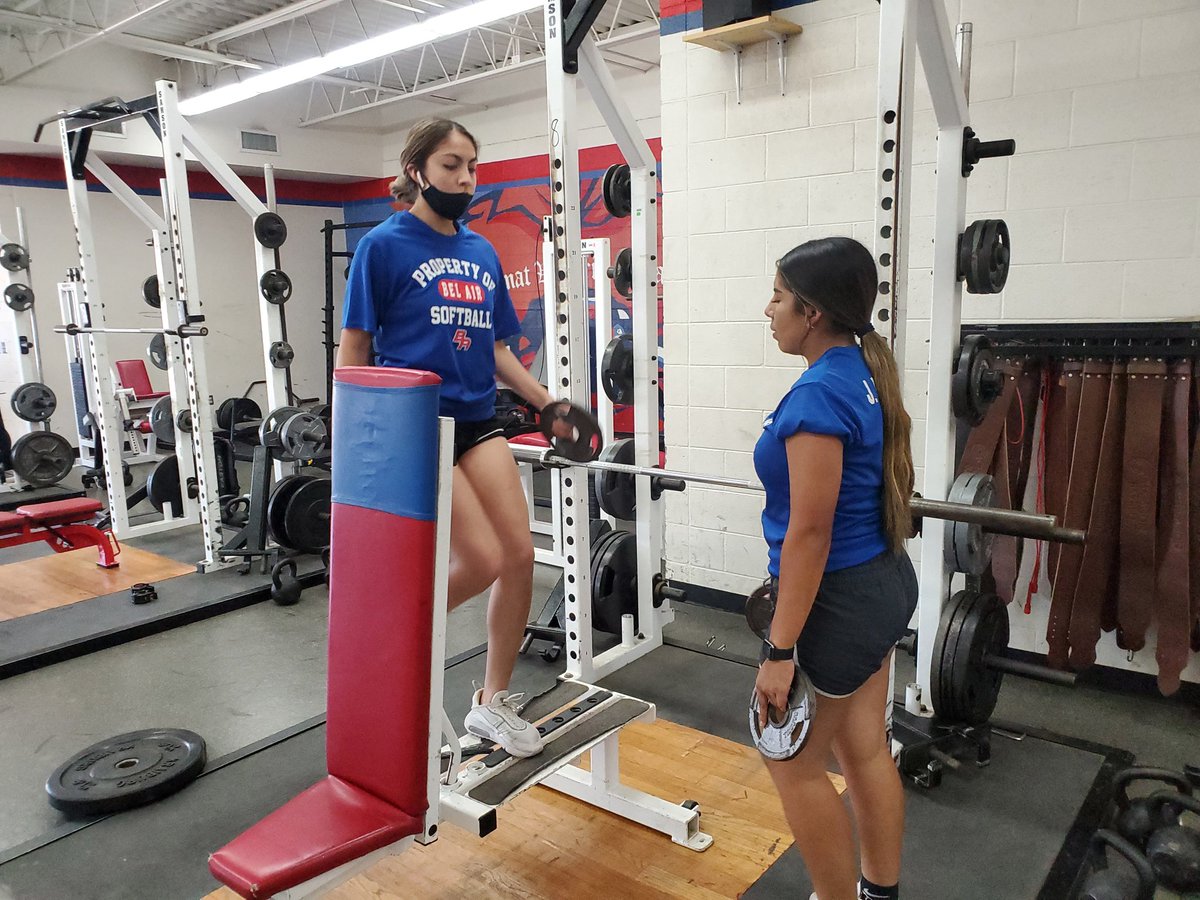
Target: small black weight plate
598 550
34 401
13 257
276 286
270 230
157 351
236 410
18 297
42 458
976 688
984 252
621 273
617 191
760 610
943 653
126 771
268 429
150 292
616 372
162 486
162 421
585 442
615 592
306 516
277 506
616 492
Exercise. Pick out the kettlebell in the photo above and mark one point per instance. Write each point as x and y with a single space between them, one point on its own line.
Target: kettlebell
1174 848
1117 884
285 589
1136 819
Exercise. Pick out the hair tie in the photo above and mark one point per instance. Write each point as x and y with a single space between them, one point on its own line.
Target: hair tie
865 330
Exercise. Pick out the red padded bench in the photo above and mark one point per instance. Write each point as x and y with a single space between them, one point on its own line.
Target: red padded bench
63 524
133 375
533 439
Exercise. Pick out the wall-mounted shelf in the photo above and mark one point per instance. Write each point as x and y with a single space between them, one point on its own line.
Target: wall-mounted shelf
736 37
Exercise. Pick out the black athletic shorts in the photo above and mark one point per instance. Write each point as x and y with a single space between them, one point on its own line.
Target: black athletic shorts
858 616
471 434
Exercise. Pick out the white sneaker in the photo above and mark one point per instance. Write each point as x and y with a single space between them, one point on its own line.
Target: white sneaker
498 721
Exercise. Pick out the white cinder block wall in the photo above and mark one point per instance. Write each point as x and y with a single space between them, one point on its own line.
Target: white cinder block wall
1102 200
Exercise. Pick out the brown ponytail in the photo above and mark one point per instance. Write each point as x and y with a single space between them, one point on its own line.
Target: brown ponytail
897 451
423 138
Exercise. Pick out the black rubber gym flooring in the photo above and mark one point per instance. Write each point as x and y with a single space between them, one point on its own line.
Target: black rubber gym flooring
994 833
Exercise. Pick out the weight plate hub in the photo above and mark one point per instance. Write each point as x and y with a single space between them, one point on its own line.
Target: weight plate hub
973 626
42 458
616 373
304 436
616 492
18 297
968 547
34 402
126 771
282 354
306 515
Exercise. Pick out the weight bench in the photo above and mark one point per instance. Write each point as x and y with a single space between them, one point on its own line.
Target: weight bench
63 524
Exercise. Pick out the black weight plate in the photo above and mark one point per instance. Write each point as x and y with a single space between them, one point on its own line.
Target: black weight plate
943 654
150 292
18 297
306 516
277 506
760 610
268 429
157 351
984 631
598 550
162 421
616 493
616 372
162 487
42 458
270 230
614 592
34 401
617 191
13 257
235 411
621 273
126 771
275 286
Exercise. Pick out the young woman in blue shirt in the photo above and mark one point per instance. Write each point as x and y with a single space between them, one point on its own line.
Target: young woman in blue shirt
835 460
425 292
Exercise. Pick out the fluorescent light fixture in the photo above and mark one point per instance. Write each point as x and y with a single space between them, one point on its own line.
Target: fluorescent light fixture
435 28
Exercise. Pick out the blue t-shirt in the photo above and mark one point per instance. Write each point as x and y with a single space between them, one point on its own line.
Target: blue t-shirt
835 396
435 302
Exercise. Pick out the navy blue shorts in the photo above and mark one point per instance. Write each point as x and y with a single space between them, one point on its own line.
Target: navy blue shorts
468 435
858 616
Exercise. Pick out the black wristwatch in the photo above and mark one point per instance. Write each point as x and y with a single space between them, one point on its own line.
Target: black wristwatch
775 654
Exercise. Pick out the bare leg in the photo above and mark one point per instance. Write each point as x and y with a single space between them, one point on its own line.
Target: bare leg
872 780
474 550
815 812
493 474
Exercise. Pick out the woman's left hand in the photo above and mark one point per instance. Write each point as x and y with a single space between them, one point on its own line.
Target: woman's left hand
772 686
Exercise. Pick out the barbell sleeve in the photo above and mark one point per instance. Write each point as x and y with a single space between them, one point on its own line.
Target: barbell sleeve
998 521
1010 666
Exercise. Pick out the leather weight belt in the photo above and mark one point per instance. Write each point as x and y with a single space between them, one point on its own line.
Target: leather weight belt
1093 393
1139 495
1172 597
1095 605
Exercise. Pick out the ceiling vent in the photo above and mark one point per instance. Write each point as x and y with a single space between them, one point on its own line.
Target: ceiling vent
260 142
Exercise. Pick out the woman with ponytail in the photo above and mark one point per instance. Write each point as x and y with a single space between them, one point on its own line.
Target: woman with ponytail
835 461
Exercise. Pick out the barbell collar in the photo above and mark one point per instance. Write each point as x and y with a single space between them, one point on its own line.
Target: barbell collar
1010 666
999 521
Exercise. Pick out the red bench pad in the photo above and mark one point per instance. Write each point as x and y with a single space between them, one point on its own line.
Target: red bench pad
61 512
532 439
11 523
326 826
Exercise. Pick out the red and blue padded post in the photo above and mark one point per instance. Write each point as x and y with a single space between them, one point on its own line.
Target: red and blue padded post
383 531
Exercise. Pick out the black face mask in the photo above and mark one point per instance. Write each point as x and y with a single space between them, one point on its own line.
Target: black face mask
448 206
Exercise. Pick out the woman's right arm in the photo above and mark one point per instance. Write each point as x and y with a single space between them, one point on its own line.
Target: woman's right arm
354 348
